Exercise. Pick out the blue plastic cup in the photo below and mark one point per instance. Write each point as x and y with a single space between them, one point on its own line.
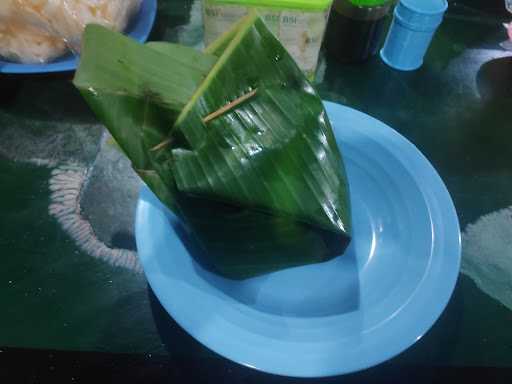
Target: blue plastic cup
409 36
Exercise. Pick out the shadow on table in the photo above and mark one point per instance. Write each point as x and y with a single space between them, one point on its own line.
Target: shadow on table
494 79
169 17
176 341
50 98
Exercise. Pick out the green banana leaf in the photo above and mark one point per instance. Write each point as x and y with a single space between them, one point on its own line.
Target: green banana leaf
234 141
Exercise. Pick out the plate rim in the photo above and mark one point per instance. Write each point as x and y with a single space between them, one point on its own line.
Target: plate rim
68 62
442 196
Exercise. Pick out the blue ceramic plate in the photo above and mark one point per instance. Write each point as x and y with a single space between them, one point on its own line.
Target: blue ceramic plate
340 316
139 29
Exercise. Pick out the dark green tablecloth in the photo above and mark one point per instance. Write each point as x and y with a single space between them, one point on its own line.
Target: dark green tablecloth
55 295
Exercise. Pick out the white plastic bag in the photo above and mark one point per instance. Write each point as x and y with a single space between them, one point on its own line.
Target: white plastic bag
38 31
507 44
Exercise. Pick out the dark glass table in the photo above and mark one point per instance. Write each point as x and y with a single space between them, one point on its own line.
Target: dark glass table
75 303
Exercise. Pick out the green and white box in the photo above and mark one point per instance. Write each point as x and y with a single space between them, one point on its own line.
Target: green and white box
298 24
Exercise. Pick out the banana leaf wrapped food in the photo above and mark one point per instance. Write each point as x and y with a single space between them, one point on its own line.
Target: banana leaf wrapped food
233 140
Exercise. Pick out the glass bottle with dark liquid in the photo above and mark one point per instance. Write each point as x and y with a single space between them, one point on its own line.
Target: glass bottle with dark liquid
355 29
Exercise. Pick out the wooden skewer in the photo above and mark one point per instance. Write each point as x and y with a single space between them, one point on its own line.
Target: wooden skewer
163 144
229 106
213 115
